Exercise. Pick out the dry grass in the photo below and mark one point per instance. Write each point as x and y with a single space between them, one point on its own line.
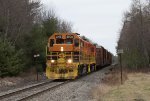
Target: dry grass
21 80
100 91
111 79
135 88
138 70
114 77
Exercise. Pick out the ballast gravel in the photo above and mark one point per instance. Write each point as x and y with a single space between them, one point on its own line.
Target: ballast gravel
77 90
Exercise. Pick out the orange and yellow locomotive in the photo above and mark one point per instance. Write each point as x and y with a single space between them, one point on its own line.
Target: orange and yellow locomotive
69 56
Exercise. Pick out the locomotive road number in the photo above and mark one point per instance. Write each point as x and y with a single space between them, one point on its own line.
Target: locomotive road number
69 36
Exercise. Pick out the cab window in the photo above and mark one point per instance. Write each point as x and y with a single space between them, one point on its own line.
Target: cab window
69 41
76 42
51 42
59 41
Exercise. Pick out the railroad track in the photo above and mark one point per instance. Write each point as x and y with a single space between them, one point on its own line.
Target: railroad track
28 92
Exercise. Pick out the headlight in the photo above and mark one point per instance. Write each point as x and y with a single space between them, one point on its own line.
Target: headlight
62 49
69 61
52 61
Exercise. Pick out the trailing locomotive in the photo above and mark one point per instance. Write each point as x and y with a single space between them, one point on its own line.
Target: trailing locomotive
69 56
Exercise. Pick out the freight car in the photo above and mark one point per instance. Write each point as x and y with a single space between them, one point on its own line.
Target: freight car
103 57
69 56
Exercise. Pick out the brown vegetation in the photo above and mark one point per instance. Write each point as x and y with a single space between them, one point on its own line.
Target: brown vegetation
114 77
135 86
111 79
23 79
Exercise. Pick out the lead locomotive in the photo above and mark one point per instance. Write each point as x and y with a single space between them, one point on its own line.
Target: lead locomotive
69 56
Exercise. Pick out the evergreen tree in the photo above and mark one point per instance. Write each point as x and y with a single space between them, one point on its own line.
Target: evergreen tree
10 59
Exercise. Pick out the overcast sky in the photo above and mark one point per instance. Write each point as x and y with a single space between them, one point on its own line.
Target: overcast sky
99 20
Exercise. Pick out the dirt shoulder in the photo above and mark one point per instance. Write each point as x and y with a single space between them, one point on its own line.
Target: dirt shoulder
25 79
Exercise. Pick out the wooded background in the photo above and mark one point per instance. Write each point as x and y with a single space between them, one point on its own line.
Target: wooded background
134 37
25 26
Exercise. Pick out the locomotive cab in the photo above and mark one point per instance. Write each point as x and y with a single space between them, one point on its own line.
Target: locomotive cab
69 43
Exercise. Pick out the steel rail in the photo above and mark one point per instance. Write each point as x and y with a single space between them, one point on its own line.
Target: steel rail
13 92
40 92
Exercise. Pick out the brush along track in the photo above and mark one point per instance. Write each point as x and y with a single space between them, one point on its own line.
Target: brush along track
31 91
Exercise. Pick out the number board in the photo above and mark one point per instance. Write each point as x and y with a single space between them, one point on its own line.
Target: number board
69 36
58 37
120 51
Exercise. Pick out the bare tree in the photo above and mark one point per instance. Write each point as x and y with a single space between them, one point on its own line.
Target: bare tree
64 26
17 18
135 34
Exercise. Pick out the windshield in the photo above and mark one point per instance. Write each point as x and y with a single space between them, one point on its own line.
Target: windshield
64 41
69 41
59 41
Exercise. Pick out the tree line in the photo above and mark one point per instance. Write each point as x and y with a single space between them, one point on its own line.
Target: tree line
134 37
25 26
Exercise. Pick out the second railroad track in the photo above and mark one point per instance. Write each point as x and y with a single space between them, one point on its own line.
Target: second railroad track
26 93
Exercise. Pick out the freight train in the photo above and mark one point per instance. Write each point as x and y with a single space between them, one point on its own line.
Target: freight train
69 56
